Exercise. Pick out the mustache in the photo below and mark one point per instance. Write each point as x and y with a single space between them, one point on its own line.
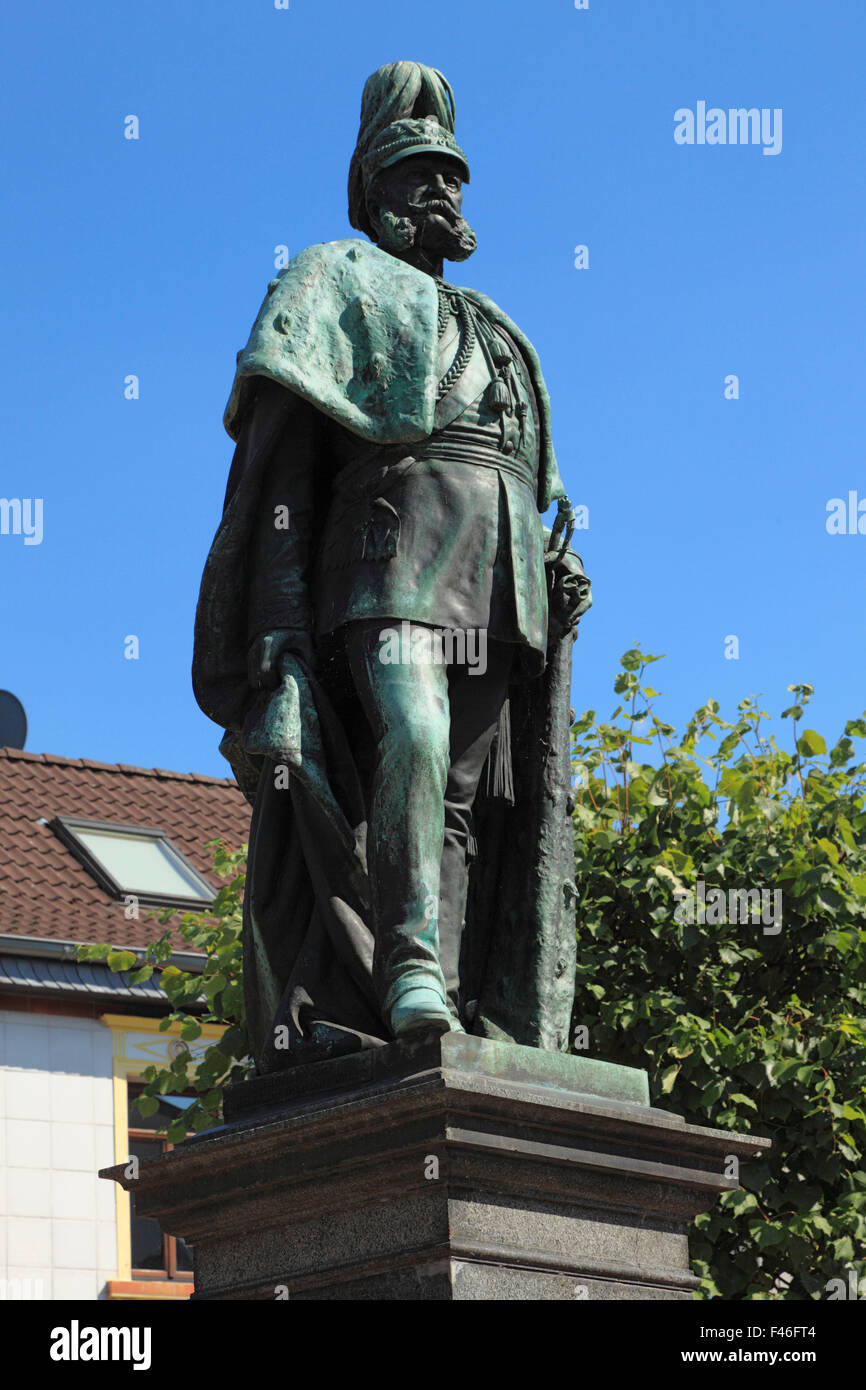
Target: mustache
440 205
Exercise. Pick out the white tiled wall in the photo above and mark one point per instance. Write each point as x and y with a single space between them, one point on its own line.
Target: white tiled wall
57 1222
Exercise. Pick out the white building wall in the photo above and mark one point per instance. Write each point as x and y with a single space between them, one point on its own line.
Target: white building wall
57 1218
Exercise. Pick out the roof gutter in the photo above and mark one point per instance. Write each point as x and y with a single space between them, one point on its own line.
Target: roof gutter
41 949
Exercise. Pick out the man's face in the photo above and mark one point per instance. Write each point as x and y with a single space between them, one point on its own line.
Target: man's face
426 187
427 190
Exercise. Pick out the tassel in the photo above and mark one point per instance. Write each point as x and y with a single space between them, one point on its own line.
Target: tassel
522 409
500 774
499 397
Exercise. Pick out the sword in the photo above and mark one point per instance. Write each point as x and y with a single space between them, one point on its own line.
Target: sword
563 527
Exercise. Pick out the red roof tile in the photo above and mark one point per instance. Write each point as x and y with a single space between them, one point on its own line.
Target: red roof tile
45 891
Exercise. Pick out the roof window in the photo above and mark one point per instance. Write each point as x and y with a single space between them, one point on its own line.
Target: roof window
134 860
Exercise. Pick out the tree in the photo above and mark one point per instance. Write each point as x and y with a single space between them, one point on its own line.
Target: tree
747 1013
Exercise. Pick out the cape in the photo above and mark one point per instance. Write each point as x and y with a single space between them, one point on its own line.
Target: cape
353 331
308 936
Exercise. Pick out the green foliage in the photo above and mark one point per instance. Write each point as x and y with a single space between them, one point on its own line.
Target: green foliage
753 1025
213 996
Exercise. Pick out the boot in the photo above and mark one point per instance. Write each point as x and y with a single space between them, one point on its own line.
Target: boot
420 1010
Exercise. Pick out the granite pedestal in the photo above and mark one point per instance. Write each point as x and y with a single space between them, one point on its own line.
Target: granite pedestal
451 1169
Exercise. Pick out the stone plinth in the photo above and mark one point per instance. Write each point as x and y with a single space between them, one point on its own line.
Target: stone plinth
452 1169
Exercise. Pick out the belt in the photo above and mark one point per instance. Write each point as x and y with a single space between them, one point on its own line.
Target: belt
450 452
369 473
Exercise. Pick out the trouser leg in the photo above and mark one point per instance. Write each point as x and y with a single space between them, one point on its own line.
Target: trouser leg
475 704
406 705
433 727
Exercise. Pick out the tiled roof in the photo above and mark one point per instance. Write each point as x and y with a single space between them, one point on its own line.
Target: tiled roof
44 890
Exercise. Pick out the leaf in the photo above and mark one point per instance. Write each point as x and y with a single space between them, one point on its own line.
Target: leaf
177 1129
138 977
842 941
811 743
786 1068
842 753
746 793
712 1093
739 1202
668 1077
764 1234
94 951
121 960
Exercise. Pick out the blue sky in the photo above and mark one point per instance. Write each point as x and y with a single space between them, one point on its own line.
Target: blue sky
707 516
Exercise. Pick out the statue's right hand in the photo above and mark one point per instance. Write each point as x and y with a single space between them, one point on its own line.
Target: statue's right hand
263 658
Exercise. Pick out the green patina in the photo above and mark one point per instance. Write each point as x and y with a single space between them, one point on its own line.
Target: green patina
536 1067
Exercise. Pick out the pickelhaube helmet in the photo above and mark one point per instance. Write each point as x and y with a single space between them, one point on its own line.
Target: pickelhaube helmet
406 109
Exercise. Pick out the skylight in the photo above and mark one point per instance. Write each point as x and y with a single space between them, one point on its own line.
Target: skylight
134 860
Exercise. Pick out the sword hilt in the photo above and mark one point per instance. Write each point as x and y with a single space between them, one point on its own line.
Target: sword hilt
563 527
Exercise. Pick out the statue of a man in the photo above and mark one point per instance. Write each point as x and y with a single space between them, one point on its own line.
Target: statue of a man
385 627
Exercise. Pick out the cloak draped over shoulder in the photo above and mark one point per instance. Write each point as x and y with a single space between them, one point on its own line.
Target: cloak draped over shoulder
353 330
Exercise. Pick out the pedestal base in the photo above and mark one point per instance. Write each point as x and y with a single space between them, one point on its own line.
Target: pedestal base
450 1169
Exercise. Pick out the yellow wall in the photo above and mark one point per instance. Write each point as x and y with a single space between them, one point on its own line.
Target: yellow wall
137 1043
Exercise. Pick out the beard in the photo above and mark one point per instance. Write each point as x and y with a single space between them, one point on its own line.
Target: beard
434 228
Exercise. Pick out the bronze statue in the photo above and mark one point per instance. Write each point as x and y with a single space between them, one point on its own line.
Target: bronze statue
385 628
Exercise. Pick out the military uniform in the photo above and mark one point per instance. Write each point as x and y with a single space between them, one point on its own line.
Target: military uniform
445 533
